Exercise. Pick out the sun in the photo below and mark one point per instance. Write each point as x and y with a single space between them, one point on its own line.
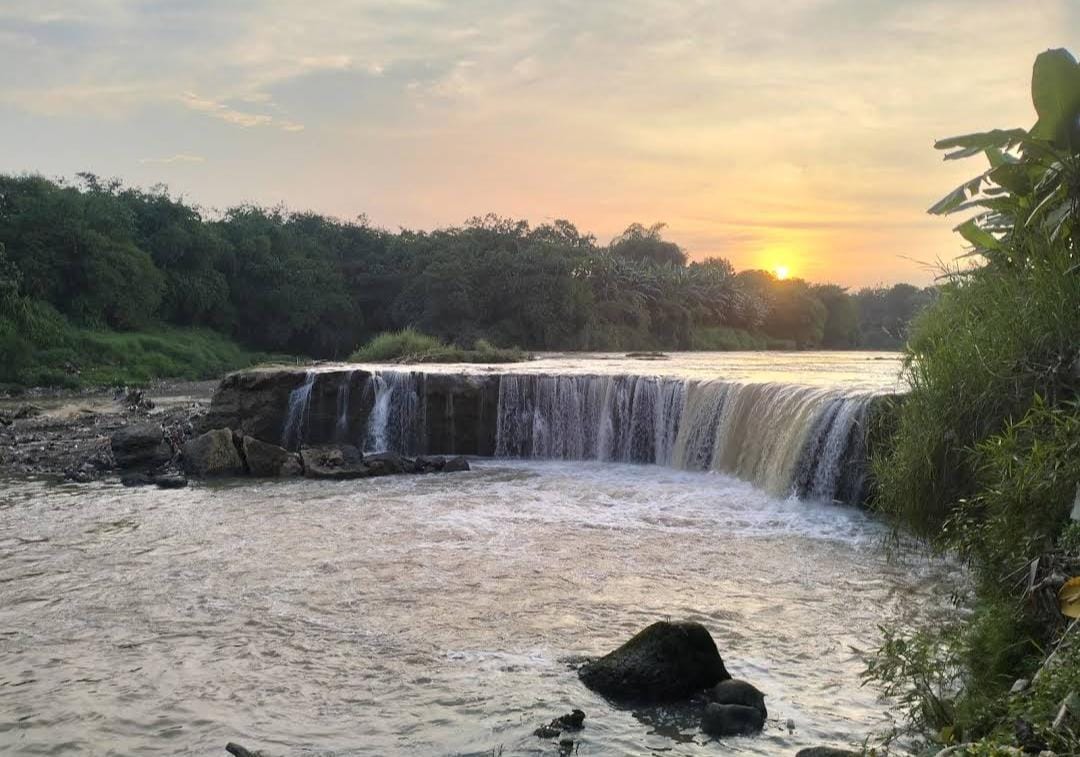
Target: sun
781 272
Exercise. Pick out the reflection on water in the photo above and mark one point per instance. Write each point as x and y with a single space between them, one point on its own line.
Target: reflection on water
425 615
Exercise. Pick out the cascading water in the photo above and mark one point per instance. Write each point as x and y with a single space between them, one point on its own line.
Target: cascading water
292 436
787 439
784 438
341 426
397 414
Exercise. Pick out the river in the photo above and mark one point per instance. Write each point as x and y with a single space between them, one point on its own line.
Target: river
437 614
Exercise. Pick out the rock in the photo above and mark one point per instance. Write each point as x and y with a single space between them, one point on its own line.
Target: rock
826 751
82 475
137 479
1020 684
213 454
170 480
140 445
664 662
731 720
336 462
456 465
734 691
571 721
388 463
269 460
430 463
238 751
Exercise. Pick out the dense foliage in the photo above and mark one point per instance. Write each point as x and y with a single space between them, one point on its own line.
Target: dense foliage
95 255
985 458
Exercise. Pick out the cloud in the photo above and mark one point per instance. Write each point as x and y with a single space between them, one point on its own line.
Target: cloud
230 115
178 158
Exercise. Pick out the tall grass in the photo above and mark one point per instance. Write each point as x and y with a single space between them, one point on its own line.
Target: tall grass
976 361
983 460
411 346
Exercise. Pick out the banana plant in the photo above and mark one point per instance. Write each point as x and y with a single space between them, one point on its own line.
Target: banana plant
1030 193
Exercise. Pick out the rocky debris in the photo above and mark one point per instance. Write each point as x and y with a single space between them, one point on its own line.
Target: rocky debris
731 720
140 445
826 751
213 454
571 721
133 399
738 692
335 462
665 662
20 413
269 460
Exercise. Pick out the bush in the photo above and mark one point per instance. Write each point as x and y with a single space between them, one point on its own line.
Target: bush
411 346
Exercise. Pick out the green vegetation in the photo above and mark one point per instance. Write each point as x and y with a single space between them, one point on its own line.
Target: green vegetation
984 460
95 255
410 346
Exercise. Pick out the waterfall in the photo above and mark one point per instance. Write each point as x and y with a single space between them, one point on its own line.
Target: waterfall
292 435
784 438
787 439
397 414
341 426
624 418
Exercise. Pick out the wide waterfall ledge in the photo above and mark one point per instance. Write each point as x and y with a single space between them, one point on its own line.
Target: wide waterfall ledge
786 438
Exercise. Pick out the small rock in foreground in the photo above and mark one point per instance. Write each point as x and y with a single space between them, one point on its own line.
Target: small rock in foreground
739 692
731 720
571 721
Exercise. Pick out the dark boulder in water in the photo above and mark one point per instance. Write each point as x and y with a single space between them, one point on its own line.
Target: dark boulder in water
170 480
735 691
140 445
456 465
664 662
342 461
213 454
731 720
267 460
238 751
826 751
388 464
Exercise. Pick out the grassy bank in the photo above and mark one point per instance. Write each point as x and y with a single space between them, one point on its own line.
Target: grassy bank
411 346
984 457
82 358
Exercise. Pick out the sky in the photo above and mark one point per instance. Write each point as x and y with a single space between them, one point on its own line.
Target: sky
794 133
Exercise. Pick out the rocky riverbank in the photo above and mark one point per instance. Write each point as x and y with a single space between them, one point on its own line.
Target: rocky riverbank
67 434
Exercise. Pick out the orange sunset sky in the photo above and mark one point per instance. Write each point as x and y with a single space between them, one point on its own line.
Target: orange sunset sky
790 133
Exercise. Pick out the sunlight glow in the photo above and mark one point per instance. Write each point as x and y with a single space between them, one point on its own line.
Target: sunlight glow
782 272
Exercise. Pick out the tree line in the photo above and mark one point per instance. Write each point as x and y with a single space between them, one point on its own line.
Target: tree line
95 254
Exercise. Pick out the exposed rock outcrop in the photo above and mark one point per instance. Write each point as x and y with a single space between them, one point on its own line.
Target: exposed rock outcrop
267 460
140 445
664 662
213 453
341 461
